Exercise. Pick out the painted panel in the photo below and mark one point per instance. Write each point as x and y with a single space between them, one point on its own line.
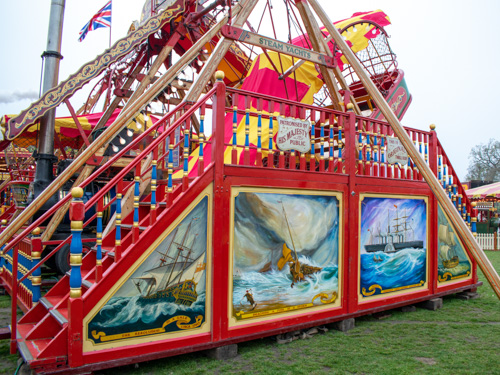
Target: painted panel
286 253
393 245
165 293
453 261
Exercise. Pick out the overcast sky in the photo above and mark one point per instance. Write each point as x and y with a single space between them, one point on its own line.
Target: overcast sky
448 50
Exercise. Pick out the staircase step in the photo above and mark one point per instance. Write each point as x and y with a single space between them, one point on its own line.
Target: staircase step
87 284
51 301
24 329
26 351
148 204
130 226
46 303
61 315
39 344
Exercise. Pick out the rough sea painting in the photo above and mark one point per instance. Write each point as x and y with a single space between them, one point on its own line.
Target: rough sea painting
393 245
167 291
453 262
285 253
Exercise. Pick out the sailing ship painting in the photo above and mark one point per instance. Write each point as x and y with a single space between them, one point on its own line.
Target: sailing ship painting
398 235
393 255
453 262
166 293
285 252
176 275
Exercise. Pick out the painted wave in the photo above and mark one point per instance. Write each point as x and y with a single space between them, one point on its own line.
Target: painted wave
129 314
276 285
405 267
461 269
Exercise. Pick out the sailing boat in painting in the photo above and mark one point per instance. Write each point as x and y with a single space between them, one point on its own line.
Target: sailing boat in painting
298 270
447 252
401 236
175 278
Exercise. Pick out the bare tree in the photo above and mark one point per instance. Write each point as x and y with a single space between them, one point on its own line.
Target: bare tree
484 162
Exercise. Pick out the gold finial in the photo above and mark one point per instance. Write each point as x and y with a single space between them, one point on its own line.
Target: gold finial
350 106
219 75
77 192
473 204
4 222
432 127
36 231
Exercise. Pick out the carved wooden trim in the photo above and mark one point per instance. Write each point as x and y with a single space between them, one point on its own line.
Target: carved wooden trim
65 89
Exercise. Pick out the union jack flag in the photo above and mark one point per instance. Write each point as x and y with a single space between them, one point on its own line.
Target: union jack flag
100 19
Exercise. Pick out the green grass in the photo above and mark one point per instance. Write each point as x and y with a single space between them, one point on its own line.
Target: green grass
4 301
461 338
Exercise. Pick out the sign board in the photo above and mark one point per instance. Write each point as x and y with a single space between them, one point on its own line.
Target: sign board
266 43
293 134
396 152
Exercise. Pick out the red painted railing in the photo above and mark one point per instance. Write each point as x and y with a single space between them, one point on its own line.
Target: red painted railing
176 147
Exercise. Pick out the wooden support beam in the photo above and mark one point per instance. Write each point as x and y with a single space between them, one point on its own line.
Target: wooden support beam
457 221
244 8
318 44
55 221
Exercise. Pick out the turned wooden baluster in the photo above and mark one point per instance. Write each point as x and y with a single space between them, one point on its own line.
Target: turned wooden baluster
36 254
246 158
118 223
201 139
258 159
98 261
234 150
312 159
76 215
270 155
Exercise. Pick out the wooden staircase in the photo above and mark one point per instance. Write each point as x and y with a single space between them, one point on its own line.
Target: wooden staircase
42 333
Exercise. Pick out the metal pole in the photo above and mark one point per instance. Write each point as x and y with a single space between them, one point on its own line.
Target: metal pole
45 155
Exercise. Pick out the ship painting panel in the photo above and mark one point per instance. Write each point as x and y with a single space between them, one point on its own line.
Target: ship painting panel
285 253
167 292
393 245
453 261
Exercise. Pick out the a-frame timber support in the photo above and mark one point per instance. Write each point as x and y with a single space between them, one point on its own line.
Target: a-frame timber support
462 230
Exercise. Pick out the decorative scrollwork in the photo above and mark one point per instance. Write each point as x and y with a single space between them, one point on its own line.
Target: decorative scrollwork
65 89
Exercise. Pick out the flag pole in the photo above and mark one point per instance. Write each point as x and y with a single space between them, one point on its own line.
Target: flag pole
110 23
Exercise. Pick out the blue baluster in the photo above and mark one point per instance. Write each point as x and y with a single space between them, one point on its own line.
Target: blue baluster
118 224
444 176
98 241
313 145
153 184
235 125
259 131
137 180
271 135
186 153
170 167
201 138
36 276
77 215
382 149
247 131
339 142
331 145
322 140
440 167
